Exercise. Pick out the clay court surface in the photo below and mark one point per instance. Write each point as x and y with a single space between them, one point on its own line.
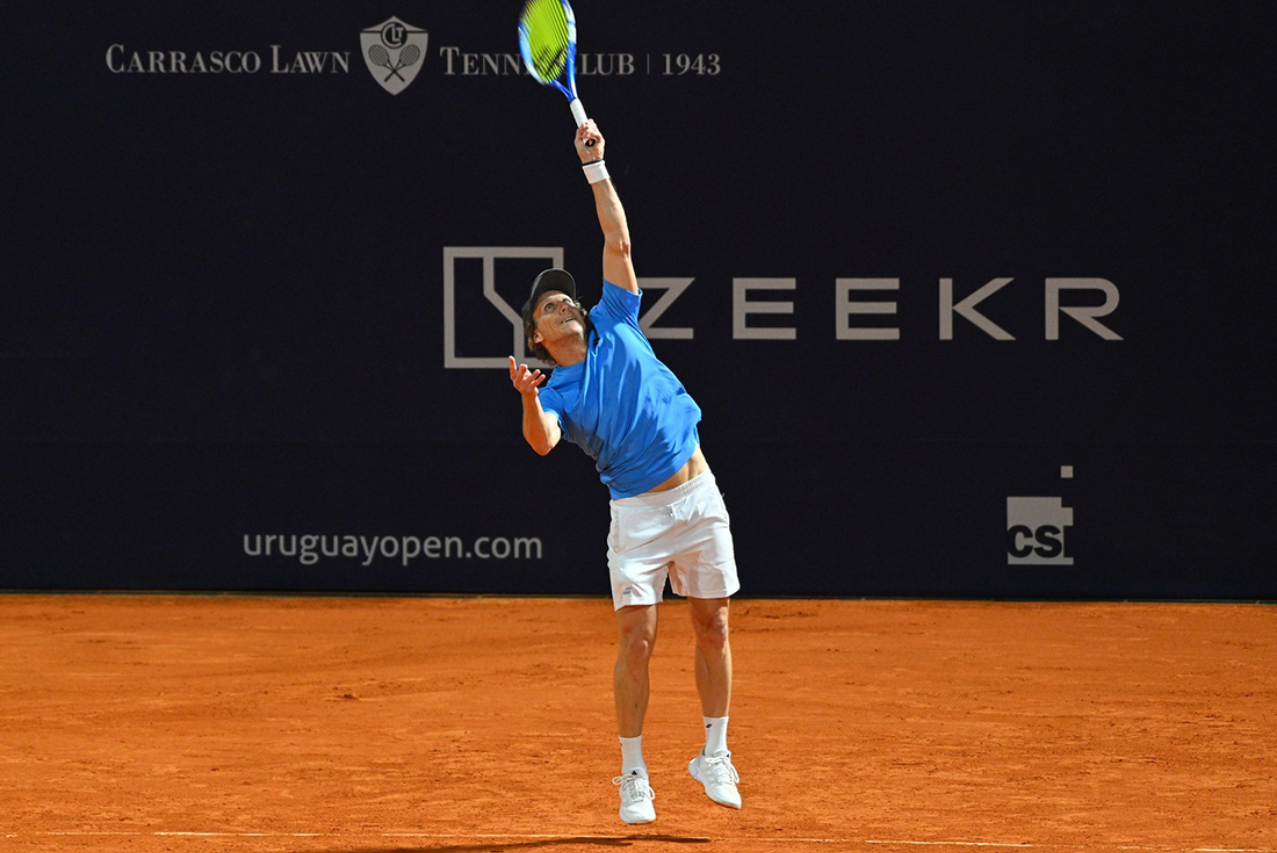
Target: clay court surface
372 725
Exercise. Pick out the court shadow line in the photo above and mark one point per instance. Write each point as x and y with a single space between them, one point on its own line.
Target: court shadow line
567 840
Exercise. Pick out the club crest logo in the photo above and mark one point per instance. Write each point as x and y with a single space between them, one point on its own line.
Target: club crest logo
394 51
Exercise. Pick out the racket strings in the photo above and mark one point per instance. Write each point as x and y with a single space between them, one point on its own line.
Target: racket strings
544 25
550 61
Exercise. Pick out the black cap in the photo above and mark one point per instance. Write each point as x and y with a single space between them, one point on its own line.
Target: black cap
551 279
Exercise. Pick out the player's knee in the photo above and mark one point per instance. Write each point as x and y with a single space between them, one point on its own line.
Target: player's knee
637 637
636 647
712 632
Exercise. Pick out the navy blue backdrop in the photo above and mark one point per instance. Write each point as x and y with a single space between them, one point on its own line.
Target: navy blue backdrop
975 297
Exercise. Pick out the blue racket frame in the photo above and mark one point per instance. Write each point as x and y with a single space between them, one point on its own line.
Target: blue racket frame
569 67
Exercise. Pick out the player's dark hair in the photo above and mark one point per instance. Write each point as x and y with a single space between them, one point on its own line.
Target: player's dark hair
538 349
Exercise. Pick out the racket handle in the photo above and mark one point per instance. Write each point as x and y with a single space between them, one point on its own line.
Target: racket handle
578 114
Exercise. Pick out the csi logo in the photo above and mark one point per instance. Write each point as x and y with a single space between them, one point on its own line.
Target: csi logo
393 51
1036 530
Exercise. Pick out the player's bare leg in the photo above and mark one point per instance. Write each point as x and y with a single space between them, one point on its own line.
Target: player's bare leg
713 766
636 636
713 654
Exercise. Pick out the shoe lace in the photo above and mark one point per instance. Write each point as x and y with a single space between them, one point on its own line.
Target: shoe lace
721 770
634 788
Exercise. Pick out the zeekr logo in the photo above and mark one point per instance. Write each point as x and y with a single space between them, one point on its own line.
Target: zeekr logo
1037 528
393 51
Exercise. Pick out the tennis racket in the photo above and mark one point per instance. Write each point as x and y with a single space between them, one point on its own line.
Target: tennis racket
547 40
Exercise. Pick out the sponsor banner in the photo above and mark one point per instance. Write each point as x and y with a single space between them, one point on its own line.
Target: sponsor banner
876 519
264 265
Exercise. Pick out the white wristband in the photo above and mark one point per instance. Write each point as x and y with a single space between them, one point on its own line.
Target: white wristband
595 172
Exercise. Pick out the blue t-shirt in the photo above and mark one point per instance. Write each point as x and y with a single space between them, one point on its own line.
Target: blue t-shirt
621 405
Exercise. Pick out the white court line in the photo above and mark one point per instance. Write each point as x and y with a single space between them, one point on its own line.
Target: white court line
567 837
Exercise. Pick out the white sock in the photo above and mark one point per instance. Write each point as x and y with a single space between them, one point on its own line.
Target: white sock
715 736
632 756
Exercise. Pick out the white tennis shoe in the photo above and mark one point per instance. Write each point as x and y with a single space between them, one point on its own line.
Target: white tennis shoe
719 778
636 798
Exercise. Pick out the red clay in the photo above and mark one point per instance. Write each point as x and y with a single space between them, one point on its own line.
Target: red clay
381 724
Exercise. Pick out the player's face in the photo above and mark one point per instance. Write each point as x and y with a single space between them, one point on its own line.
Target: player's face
557 318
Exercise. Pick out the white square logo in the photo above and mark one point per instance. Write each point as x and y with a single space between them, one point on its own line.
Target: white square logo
462 305
1036 529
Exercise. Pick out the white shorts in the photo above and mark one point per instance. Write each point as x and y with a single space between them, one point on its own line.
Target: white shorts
682 534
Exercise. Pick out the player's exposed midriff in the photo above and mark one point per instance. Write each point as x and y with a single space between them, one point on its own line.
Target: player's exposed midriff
691 469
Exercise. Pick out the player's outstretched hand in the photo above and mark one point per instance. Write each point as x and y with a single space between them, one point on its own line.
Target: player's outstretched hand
585 133
525 381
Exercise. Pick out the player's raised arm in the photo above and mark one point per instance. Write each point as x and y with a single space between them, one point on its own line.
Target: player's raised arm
540 428
617 266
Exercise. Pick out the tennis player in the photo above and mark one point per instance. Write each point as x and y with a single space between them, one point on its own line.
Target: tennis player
611 396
